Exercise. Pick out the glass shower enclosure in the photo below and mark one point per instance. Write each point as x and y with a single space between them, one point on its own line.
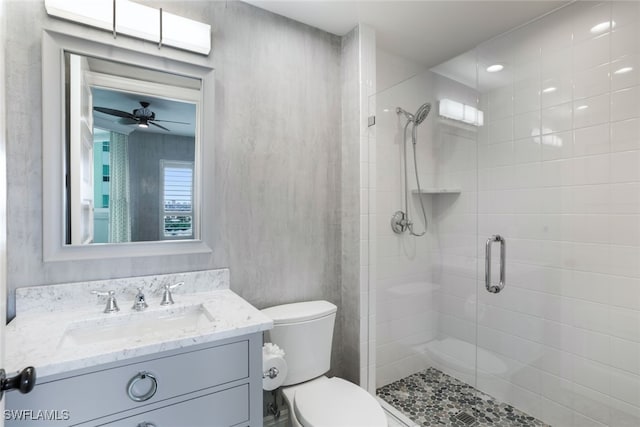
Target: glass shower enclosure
529 166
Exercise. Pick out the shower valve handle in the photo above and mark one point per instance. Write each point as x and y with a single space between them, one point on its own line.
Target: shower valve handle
399 222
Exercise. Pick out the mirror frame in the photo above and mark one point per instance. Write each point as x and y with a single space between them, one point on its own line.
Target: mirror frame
55 248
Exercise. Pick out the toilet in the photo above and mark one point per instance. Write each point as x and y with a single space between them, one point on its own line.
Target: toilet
304 331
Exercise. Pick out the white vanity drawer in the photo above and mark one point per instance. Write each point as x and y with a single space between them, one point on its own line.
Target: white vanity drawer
100 393
222 409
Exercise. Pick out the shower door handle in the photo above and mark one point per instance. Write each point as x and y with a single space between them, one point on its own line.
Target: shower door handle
494 289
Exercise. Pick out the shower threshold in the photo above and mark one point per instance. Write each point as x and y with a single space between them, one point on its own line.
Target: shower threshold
433 398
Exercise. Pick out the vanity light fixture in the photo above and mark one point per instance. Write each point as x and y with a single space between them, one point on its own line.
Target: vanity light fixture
623 70
97 14
495 68
602 27
135 20
461 112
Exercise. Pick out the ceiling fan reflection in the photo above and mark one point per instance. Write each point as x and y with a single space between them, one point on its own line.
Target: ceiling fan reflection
143 117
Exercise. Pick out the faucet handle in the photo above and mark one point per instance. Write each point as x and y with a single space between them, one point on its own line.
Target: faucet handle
112 304
167 298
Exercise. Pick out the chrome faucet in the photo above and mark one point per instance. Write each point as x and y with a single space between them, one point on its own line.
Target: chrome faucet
140 303
112 305
167 298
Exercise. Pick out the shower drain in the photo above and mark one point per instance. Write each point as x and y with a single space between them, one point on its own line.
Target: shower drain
466 418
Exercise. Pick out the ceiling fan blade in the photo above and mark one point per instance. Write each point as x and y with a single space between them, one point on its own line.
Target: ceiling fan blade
161 127
113 112
169 121
128 121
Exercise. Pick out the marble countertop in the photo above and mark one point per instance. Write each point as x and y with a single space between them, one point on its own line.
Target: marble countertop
40 337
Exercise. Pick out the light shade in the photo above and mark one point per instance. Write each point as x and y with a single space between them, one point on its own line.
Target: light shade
461 112
95 13
185 33
136 20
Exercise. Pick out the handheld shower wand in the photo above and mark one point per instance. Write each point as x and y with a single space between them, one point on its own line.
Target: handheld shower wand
400 220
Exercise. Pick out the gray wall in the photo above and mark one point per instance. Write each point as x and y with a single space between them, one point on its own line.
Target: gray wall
277 158
145 152
350 203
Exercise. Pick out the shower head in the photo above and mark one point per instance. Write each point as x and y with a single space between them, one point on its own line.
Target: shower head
422 113
419 116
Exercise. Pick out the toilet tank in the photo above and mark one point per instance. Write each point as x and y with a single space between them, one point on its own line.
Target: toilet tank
304 330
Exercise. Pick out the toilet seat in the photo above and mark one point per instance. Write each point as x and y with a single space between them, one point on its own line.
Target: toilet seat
336 402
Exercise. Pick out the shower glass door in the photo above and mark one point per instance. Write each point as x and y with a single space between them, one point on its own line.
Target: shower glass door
426 290
558 164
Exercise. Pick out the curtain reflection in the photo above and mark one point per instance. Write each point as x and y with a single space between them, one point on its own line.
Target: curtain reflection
119 211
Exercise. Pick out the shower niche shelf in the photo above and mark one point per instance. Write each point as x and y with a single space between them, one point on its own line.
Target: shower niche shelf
438 190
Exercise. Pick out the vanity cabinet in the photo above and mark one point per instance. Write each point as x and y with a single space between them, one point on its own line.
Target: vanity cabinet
223 408
214 384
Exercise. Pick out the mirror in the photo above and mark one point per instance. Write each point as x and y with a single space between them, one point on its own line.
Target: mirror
131 142
124 140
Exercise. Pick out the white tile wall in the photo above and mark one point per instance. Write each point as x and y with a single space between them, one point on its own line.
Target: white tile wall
358 246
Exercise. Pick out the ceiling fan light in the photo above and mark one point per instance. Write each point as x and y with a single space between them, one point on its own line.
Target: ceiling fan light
143 123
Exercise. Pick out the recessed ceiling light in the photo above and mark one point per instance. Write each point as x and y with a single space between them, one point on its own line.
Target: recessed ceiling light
495 68
602 27
623 70
582 107
549 89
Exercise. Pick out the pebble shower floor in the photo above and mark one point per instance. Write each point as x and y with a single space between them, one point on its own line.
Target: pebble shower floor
433 398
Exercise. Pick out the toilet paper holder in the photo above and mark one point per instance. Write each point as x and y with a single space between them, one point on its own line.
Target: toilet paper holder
271 373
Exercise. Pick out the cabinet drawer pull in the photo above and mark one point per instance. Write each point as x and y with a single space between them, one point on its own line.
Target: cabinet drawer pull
134 394
146 424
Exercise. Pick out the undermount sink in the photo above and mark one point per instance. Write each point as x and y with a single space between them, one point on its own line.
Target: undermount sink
132 326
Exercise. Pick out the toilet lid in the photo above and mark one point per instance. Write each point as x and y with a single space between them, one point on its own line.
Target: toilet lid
336 402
